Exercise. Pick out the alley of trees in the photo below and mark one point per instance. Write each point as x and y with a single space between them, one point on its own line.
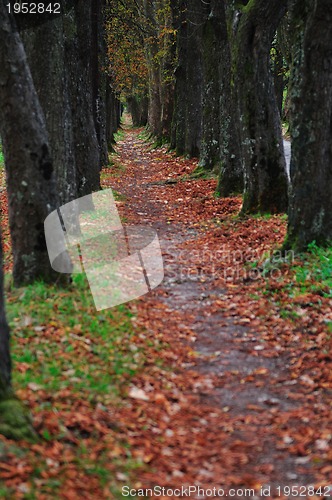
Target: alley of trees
217 81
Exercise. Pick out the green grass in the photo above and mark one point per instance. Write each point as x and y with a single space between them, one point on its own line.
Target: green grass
315 272
58 322
60 343
2 159
201 173
119 135
309 274
303 275
115 165
259 215
145 135
119 196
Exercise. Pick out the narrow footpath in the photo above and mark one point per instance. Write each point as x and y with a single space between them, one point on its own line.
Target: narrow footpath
240 396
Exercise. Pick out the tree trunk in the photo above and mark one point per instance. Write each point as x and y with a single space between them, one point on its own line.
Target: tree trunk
29 169
144 108
30 192
167 70
187 119
179 8
266 182
51 83
214 36
220 140
151 51
98 59
278 73
113 114
138 108
311 162
154 113
78 49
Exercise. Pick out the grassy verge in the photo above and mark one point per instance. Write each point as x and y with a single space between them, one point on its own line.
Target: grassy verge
58 322
71 367
304 280
119 135
314 273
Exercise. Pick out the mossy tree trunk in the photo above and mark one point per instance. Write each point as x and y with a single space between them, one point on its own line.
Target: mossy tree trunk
167 76
220 140
73 103
266 184
151 54
311 163
155 107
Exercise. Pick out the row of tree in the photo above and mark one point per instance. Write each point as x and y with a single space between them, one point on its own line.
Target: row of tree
209 80
58 115
198 72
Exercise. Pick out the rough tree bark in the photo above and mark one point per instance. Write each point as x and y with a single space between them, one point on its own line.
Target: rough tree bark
29 169
214 36
99 77
151 50
75 132
187 118
159 55
266 184
78 49
179 8
278 72
167 66
51 83
311 163
29 180
220 140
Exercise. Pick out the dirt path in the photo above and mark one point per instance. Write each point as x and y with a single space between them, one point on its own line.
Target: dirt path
228 407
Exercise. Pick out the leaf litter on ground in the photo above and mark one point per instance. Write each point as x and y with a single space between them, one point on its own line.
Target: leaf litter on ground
221 376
